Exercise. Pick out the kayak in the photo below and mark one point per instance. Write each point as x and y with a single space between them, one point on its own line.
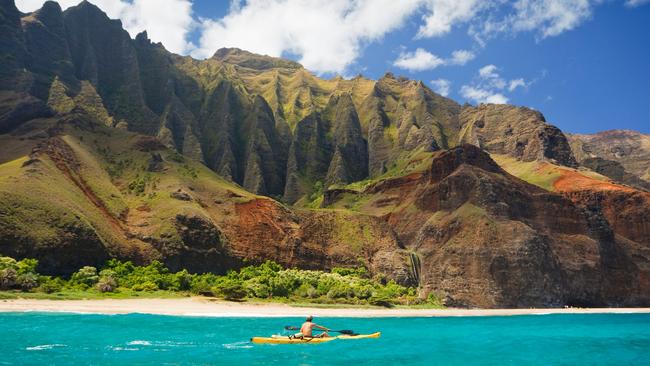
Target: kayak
276 339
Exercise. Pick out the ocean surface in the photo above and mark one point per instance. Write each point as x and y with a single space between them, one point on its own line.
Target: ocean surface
137 339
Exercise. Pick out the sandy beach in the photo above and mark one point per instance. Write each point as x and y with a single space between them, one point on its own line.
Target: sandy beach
212 308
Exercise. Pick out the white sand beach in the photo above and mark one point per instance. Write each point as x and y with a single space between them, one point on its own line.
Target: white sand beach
198 306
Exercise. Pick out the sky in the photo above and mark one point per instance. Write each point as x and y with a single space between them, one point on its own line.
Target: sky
585 64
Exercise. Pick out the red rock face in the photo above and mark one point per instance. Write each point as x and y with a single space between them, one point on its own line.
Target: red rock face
625 211
317 240
486 238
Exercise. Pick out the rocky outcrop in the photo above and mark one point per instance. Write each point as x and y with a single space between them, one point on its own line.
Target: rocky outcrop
218 131
250 60
103 53
516 131
626 210
266 152
486 238
17 108
616 171
200 247
47 48
350 161
309 156
12 47
630 149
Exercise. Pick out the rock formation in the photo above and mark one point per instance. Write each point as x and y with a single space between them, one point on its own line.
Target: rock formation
621 155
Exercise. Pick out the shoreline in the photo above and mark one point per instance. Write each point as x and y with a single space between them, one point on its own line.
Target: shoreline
210 308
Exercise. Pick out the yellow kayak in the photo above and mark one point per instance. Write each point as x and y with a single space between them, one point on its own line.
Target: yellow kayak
286 340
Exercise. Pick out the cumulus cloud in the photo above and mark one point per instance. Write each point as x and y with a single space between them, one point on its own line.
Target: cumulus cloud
517 83
441 86
480 95
488 72
489 86
550 17
326 35
166 21
442 15
422 59
490 76
418 61
461 57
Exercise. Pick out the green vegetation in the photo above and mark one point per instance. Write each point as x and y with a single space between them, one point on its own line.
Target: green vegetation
267 281
138 185
542 175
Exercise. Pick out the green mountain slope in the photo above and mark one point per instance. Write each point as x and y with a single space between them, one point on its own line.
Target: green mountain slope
241 113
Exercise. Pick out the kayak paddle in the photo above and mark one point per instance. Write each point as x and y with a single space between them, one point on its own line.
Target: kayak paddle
343 331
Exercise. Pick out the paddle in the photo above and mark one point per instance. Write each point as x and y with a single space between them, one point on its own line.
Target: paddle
343 331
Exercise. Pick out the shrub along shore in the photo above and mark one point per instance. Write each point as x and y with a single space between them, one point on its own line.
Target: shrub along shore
268 281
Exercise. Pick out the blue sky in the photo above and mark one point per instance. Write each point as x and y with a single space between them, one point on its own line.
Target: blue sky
583 63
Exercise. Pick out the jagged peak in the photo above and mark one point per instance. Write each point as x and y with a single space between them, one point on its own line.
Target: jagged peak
447 161
142 37
50 13
484 107
251 60
50 6
91 10
620 133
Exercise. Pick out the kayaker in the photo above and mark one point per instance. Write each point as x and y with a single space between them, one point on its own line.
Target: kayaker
306 329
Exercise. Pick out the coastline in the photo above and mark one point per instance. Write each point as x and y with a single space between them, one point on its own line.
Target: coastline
210 308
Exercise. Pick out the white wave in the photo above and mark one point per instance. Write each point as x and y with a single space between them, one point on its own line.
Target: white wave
123 348
238 345
139 343
43 347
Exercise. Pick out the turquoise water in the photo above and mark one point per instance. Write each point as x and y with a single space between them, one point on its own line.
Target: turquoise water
72 339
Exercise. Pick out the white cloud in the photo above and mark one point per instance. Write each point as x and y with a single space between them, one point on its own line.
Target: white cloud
166 21
479 95
461 57
550 17
489 86
422 59
441 86
635 3
327 35
490 76
444 14
418 61
488 72
28 6
517 83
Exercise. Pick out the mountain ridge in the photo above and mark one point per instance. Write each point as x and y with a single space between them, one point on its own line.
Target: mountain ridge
179 97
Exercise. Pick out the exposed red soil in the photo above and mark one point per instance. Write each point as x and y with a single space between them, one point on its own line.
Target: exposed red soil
571 181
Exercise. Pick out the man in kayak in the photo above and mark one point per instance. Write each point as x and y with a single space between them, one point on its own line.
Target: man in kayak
306 329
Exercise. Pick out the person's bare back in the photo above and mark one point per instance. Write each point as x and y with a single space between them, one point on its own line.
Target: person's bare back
307 329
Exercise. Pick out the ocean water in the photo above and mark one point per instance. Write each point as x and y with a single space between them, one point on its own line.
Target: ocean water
137 339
